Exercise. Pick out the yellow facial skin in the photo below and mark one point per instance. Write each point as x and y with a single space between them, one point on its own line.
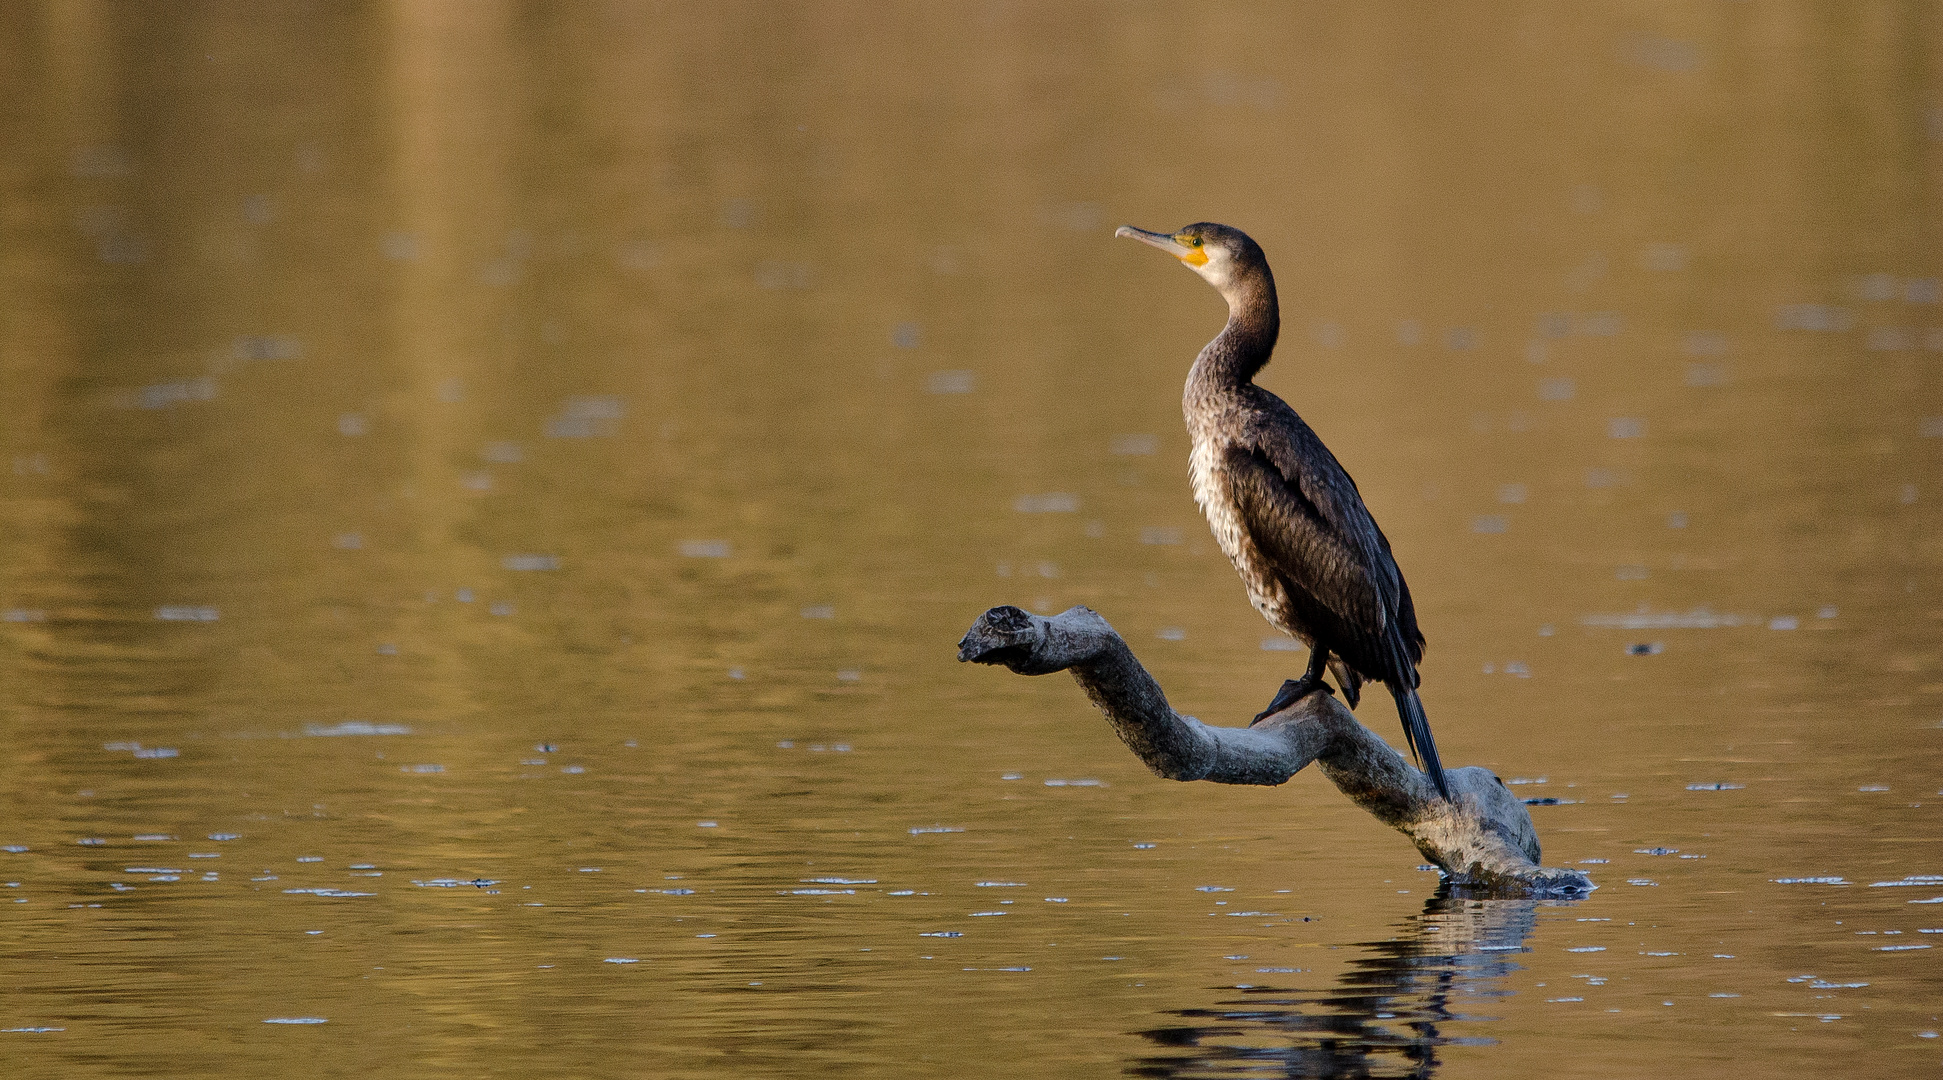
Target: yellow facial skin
1186 248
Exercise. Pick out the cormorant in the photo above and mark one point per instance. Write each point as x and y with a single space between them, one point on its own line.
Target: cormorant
1282 508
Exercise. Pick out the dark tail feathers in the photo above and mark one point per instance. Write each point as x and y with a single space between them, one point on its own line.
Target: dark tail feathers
1416 729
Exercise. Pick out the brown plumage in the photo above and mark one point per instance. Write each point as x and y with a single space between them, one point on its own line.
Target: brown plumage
1281 506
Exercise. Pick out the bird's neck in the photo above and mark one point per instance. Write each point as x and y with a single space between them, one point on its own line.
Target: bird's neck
1243 347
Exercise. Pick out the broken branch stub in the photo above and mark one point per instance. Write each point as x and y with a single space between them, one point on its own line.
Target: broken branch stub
1482 838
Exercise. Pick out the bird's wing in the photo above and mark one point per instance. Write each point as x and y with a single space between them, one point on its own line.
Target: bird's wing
1314 528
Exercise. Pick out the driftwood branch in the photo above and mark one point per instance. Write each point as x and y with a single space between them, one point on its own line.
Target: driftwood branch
1482 838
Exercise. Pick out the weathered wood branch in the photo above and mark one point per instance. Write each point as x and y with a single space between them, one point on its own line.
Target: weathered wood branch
1482 838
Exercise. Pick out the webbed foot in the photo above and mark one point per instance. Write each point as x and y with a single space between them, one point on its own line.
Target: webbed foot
1292 691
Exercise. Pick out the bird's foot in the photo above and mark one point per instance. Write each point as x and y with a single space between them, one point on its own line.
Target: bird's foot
1292 691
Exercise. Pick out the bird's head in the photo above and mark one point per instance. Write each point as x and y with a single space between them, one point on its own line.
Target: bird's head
1224 255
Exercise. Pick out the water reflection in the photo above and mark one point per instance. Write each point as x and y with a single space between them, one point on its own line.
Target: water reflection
1385 1017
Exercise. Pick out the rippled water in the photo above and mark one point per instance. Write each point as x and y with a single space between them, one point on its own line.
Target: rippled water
493 493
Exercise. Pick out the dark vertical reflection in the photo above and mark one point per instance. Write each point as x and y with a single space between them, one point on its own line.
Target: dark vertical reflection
1387 1016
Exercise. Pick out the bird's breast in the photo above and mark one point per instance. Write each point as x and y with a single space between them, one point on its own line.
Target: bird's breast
1215 495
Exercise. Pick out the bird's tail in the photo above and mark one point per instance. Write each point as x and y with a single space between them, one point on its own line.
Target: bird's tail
1416 729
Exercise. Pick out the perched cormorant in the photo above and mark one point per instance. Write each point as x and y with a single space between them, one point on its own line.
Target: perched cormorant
1282 508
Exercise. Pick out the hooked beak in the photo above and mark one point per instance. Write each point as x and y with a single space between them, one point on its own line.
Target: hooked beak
1188 255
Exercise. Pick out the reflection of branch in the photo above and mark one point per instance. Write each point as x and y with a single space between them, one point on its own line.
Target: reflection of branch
1482 838
1385 1016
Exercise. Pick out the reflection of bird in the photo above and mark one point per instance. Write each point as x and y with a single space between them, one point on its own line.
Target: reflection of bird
1390 1007
1284 511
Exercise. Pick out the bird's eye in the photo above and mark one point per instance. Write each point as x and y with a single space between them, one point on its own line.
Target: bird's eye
1194 241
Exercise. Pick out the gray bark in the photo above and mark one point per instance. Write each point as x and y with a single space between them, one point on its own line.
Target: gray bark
1483 838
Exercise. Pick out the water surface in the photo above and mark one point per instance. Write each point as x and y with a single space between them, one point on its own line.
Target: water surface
492 492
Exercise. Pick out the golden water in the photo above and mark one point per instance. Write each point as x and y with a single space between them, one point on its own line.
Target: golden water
527 467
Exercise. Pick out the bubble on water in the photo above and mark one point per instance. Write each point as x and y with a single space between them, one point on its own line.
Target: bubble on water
1161 535
1818 318
984 914
183 613
296 1020
957 381
823 892
1898 948
1076 783
704 549
421 769
329 892
941 933
1171 633
1282 644
1142 847
586 418
707 825
1717 786
1133 445
531 562
23 615
1641 881
1912 879
819 611
1656 851
1784 622
621 960
1587 948
1053 502
919 829
837 881
1831 880
1557 389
